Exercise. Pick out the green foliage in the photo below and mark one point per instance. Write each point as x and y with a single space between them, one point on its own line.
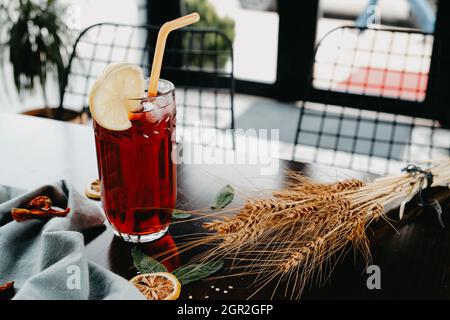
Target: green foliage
178 215
195 272
146 264
36 37
186 274
223 198
210 19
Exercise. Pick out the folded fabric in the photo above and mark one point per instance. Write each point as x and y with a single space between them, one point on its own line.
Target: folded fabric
47 258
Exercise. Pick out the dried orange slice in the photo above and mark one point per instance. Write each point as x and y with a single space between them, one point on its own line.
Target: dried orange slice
92 190
158 285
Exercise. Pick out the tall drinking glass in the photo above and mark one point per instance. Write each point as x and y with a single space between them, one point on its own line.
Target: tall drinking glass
136 169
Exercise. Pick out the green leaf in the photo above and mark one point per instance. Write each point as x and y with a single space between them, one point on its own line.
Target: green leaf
146 264
224 197
178 215
195 272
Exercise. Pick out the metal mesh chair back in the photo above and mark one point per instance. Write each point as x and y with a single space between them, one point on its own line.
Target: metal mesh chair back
366 104
198 61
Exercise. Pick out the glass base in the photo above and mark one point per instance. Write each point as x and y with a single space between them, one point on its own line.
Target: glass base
134 238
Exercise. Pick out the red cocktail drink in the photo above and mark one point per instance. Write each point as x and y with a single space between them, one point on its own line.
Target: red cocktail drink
137 172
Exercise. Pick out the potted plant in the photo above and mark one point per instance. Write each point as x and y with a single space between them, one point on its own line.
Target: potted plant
34 42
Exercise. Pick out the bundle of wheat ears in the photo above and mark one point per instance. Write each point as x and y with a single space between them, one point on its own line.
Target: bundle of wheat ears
297 235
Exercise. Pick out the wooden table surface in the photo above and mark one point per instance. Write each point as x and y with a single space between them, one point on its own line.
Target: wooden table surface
414 261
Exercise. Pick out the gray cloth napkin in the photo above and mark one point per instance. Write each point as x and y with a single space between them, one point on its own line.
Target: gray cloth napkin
47 258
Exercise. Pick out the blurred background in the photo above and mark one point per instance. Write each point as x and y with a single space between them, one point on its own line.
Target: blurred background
361 84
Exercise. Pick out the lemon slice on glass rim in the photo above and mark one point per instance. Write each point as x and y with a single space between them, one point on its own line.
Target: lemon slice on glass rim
158 285
113 95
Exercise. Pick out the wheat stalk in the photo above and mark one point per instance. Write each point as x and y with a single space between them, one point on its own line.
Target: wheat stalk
296 235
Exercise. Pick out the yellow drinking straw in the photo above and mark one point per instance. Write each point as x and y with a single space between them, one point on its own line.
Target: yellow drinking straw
161 44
